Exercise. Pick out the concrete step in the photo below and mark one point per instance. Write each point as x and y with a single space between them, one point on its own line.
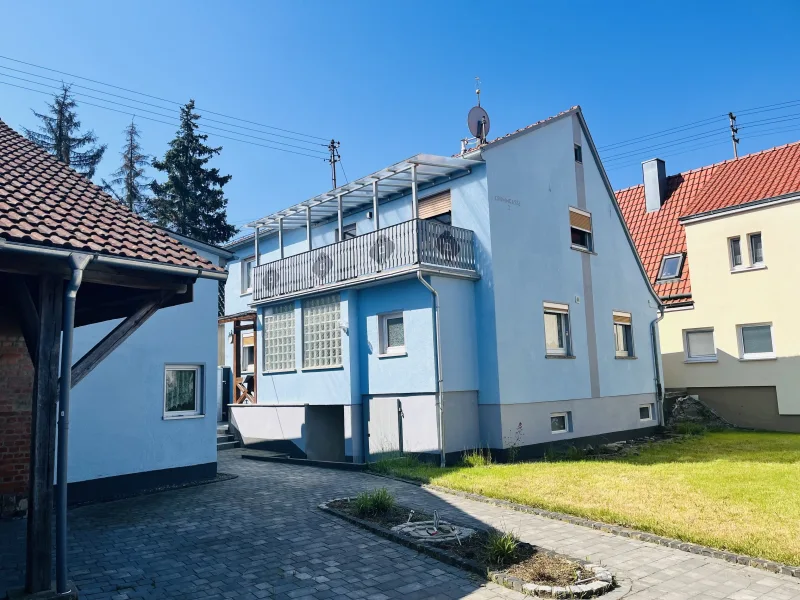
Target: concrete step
225 438
227 445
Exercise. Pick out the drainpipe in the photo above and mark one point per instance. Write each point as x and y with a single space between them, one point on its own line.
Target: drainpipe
78 263
440 376
656 375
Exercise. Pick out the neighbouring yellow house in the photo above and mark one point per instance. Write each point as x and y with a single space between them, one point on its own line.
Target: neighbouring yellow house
720 246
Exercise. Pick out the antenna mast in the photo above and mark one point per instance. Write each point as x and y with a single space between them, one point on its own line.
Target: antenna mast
333 148
734 131
478 89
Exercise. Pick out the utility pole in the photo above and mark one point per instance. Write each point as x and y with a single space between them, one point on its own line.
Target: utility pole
333 148
734 131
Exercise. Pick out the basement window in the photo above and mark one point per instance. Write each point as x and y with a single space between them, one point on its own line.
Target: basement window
560 422
645 412
671 266
182 391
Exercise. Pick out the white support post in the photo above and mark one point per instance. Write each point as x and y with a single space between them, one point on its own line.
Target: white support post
339 213
280 235
258 231
376 217
414 201
308 226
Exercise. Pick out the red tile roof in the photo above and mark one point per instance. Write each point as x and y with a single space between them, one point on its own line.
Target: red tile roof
44 202
750 178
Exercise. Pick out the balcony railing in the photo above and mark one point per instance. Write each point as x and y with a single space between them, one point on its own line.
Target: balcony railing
414 242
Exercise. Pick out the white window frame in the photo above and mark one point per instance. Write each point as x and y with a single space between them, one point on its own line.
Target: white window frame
242 365
755 355
198 392
244 263
664 260
649 408
750 236
686 348
383 324
741 265
567 422
589 232
630 352
554 308
269 317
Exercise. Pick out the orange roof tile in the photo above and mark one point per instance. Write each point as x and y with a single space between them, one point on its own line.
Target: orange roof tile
766 174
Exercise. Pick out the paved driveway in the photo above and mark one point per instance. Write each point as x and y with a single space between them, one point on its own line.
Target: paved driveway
261 536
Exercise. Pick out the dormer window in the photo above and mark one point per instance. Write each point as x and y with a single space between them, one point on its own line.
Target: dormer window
671 266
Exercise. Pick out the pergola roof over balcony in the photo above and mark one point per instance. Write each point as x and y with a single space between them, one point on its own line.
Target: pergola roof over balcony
394 181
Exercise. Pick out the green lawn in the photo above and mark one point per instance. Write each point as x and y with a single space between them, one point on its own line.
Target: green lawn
737 491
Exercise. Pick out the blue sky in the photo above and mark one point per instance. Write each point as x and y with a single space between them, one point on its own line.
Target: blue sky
393 79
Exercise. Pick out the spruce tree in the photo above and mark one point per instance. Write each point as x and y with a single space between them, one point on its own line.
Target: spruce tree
191 201
60 135
130 184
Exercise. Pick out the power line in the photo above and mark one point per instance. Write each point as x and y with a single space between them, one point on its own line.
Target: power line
124 112
676 129
116 87
667 144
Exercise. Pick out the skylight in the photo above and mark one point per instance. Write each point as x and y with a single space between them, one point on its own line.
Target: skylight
670 267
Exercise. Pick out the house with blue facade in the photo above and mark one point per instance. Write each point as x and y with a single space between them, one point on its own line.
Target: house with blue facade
491 299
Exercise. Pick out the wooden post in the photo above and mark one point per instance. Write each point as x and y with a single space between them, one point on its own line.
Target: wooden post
43 435
255 360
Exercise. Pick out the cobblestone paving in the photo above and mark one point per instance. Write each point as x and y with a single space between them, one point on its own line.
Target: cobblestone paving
261 536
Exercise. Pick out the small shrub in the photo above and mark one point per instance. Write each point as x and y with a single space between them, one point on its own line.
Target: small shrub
514 444
501 547
477 458
690 428
376 502
575 453
551 454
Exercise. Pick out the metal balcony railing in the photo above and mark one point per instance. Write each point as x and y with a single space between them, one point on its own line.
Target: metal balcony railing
414 242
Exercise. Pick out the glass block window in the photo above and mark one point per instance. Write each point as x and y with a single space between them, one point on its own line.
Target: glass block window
322 333
182 384
279 338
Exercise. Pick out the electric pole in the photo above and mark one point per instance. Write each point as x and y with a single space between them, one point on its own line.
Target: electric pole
734 131
333 148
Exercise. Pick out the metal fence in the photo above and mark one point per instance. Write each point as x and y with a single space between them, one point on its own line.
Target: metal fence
402 245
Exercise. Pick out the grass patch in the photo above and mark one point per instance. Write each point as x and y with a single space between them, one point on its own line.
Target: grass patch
377 502
732 490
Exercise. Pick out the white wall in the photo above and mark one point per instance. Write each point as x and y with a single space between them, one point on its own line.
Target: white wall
116 412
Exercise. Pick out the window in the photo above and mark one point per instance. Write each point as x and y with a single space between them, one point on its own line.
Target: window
556 329
279 338
671 266
755 342
623 334
645 412
756 250
735 245
349 232
322 333
182 385
247 275
392 333
578 153
437 206
699 345
580 228
560 422
248 351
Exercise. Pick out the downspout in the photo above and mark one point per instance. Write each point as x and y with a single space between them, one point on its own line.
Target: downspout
78 263
439 375
656 374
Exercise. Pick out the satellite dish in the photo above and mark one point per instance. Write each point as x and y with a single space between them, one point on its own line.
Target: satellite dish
478 122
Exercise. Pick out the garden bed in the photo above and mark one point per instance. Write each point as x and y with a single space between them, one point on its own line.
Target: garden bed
501 556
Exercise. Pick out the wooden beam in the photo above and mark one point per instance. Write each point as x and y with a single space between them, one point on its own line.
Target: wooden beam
112 341
28 315
43 435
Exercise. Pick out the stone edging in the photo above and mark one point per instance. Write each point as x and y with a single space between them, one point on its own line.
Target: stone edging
604 583
740 559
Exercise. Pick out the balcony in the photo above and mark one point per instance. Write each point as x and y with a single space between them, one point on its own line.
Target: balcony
404 247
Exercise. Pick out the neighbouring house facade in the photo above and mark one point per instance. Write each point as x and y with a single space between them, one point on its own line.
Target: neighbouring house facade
716 242
489 300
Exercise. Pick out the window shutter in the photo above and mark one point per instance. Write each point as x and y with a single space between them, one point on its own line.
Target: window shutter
580 220
622 318
555 307
248 339
435 205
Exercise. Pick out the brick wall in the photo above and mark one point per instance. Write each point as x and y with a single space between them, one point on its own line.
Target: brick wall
16 384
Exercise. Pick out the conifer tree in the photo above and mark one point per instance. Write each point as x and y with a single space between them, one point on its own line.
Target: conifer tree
191 201
130 184
60 135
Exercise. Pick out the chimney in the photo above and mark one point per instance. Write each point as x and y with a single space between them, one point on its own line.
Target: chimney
655 183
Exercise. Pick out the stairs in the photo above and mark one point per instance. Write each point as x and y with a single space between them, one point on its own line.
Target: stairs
225 439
